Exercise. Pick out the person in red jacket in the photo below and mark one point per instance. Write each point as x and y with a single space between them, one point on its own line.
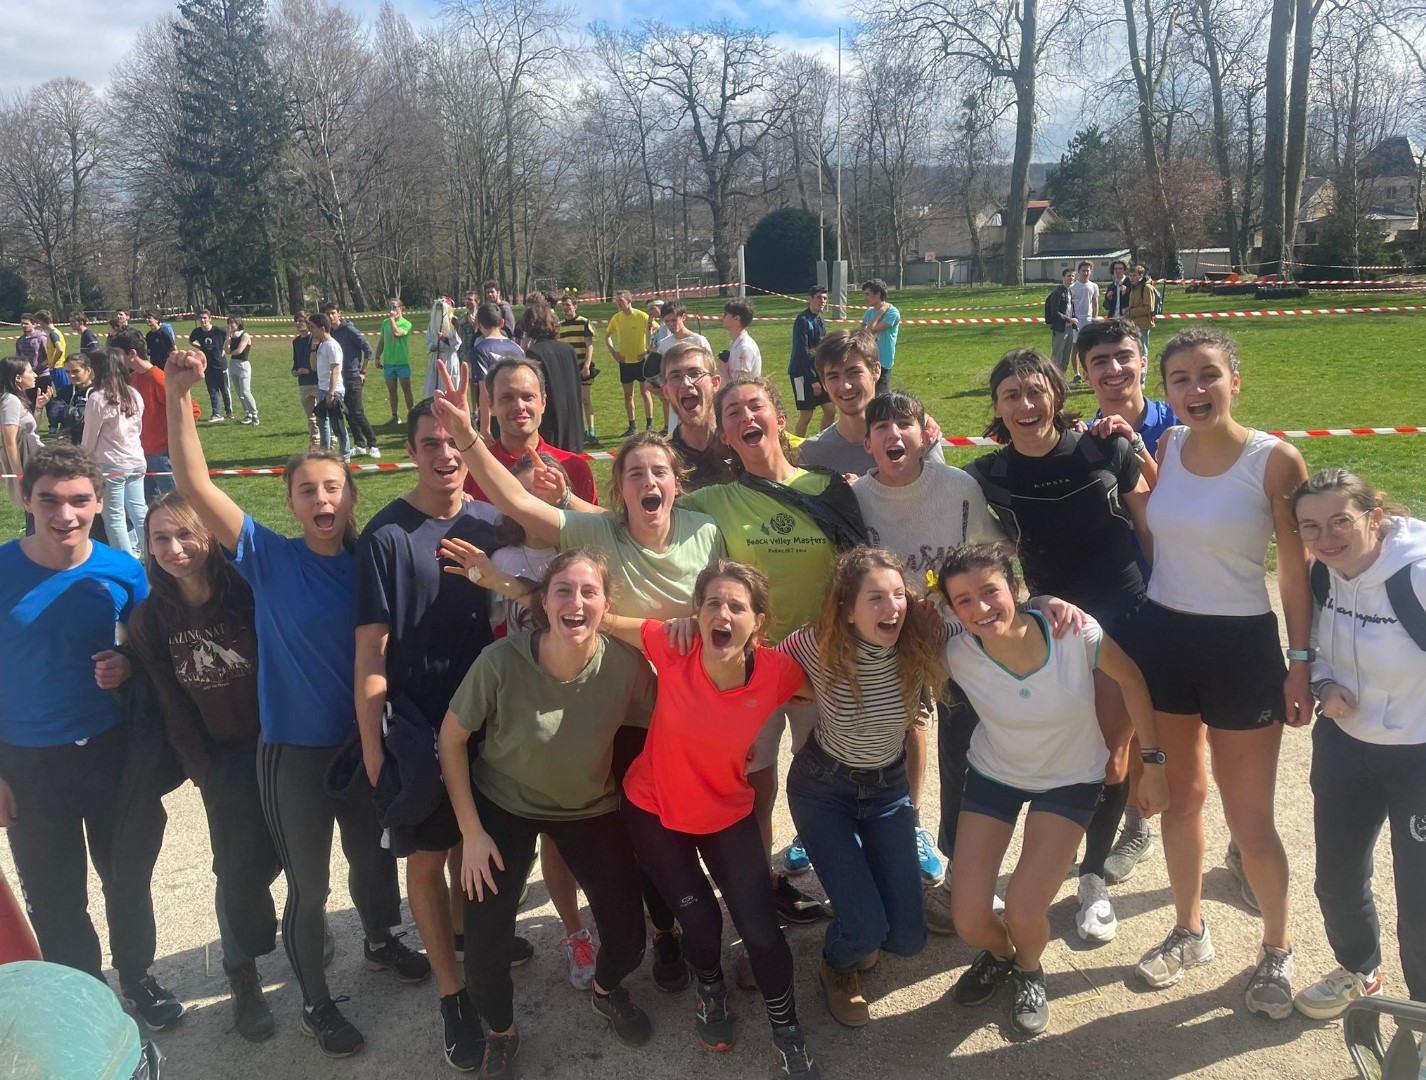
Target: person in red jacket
148 380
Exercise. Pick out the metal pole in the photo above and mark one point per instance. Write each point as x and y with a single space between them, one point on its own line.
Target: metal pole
838 144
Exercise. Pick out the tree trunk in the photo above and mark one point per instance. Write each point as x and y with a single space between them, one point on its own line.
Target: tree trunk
1222 150
1295 166
295 299
1275 141
1024 149
1153 166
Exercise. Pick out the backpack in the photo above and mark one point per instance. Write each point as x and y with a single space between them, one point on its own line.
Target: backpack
1405 604
1158 302
70 416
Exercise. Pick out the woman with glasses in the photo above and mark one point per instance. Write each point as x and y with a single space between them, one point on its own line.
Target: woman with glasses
1369 743
1208 645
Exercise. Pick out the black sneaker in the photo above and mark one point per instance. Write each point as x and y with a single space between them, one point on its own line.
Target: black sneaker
978 983
522 952
252 1019
629 1022
464 1037
500 1054
794 905
669 969
154 1006
712 1022
396 956
1030 1012
789 1047
335 1035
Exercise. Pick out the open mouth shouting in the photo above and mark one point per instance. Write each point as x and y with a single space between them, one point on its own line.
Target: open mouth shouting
1198 410
690 399
721 636
896 453
574 622
651 503
753 435
325 521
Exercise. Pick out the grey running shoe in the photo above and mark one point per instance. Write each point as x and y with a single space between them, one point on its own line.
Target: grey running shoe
1124 856
1030 1009
1233 860
712 1023
979 982
790 1047
1270 988
1165 963
252 1019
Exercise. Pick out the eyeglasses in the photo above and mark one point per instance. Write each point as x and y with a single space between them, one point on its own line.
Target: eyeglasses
1337 525
692 378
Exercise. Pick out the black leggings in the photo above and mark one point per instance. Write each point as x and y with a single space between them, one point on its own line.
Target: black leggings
292 781
602 861
629 744
736 859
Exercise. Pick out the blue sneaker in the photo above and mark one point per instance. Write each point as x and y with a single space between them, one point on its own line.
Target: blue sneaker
933 870
796 861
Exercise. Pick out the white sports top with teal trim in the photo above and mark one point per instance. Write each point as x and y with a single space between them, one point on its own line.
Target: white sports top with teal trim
1036 731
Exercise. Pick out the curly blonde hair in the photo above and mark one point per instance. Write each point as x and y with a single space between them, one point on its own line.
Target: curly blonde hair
917 647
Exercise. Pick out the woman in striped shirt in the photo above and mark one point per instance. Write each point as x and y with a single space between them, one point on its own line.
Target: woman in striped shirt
872 658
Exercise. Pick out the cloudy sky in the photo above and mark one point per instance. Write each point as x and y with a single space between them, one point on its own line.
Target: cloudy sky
89 36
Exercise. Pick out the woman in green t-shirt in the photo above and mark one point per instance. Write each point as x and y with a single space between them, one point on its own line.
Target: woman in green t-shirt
548 702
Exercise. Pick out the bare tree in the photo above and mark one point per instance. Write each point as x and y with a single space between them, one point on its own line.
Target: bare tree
1008 41
33 186
71 110
717 81
1150 26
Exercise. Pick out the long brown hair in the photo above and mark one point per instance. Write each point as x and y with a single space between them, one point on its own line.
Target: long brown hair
229 591
111 378
917 647
296 461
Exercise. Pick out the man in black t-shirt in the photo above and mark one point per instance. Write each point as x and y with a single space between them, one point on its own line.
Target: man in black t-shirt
213 340
419 630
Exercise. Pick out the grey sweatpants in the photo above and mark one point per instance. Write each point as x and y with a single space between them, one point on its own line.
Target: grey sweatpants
292 781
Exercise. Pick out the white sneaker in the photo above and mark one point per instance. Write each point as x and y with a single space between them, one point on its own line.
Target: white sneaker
1329 997
1096 920
1165 963
372 451
579 951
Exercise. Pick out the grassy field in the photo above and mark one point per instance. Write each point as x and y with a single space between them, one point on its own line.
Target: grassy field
1362 370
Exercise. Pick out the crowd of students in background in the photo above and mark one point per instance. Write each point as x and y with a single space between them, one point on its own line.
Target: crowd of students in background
502 666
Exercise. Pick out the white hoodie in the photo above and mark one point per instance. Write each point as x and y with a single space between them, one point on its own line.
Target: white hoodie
1361 645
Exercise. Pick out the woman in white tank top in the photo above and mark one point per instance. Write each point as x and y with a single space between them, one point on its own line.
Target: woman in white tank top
1210 650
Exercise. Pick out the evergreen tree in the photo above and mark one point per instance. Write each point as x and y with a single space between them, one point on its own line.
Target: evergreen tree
233 130
1080 187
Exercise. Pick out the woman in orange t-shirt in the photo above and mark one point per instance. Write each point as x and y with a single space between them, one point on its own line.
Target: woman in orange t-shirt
687 795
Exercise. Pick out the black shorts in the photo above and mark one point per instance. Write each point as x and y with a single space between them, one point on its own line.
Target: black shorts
1117 618
593 374
1227 669
653 369
631 373
440 831
803 395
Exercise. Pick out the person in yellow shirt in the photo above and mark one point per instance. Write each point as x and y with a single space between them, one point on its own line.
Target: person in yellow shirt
627 340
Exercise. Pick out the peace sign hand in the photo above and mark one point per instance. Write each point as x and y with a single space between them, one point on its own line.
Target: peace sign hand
449 404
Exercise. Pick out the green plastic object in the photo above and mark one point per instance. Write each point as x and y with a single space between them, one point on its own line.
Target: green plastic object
57 1023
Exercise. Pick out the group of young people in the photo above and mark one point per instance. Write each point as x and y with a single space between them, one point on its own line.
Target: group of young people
497 664
1078 301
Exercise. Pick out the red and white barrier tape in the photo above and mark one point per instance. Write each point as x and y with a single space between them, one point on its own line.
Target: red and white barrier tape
949 440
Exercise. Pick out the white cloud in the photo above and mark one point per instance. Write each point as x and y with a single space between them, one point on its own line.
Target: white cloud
83 38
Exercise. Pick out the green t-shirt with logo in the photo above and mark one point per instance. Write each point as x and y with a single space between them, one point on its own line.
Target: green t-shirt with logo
648 584
549 745
785 544
395 350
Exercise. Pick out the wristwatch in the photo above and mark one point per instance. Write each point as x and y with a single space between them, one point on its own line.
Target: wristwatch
1307 655
1153 756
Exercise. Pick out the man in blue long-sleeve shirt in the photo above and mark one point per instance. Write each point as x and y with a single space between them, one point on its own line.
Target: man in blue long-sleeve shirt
808 330
356 354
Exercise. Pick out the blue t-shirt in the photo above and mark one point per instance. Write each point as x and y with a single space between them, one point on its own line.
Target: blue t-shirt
305 608
51 623
885 339
1158 418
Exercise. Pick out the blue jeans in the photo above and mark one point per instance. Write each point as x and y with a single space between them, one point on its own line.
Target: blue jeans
124 505
157 486
859 829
